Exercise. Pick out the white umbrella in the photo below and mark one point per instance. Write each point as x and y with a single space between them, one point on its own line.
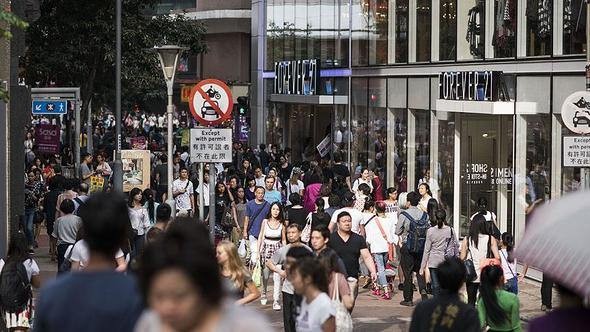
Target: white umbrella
557 241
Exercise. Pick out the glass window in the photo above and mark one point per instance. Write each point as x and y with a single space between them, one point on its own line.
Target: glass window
448 30
446 167
423 25
289 30
328 28
504 40
377 130
422 144
342 38
539 22
400 148
378 32
270 35
301 30
342 133
314 26
471 24
358 149
538 162
360 32
574 27
401 31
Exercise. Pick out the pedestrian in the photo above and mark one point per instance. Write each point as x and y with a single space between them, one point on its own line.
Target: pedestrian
477 246
79 254
278 185
380 235
348 206
498 309
294 184
337 281
309 280
319 216
391 203
412 227
490 217
362 195
105 220
163 216
279 263
183 193
446 312
425 196
319 239
295 212
245 172
334 202
271 238
50 209
364 178
139 222
256 211
341 182
285 169
150 204
82 197
508 263
161 177
225 212
65 231
103 169
571 315
68 185
33 192
259 176
18 272
271 195
438 238
236 279
351 247
240 207
203 189
250 187
183 292
86 169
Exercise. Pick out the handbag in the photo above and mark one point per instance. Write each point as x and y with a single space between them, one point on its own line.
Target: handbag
452 248
257 274
469 266
306 232
390 252
343 319
227 220
66 265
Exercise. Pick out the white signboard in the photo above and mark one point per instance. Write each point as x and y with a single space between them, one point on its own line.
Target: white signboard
324 146
211 145
575 112
576 151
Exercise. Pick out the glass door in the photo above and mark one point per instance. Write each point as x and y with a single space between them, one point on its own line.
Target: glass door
486 167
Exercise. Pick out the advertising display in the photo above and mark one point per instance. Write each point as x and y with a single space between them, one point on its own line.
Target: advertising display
136 169
47 138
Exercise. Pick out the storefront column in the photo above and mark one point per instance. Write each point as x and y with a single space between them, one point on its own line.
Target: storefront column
558 27
435 35
391 32
434 135
521 29
520 176
411 169
555 157
391 144
502 195
490 21
457 176
412 34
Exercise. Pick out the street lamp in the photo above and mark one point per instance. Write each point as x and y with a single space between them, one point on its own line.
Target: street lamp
168 55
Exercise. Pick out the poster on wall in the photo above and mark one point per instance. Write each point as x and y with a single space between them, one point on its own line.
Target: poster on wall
576 151
136 169
47 138
484 174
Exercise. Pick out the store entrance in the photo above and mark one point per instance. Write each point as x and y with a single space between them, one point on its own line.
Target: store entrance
486 167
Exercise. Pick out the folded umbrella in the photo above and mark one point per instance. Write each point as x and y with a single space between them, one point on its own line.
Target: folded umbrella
557 241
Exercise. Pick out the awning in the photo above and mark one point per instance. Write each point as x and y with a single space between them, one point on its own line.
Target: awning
486 107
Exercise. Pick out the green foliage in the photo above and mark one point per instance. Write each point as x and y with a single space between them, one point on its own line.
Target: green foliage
8 19
73 44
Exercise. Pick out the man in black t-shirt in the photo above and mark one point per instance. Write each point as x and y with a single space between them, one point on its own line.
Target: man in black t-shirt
351 247
341 175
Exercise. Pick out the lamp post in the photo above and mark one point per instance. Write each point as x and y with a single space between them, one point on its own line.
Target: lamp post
168 55
118 164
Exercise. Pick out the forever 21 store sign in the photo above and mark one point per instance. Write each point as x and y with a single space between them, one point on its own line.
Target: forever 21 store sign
469 85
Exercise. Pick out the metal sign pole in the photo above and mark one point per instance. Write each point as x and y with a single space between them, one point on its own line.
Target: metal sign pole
201 201
212 177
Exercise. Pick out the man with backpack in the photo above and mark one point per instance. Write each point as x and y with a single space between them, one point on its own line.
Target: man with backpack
412 227
82 196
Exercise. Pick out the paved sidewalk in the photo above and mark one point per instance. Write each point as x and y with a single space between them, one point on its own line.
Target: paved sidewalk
370 313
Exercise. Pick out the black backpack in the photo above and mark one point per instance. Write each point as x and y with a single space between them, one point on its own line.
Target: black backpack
15 287
417 233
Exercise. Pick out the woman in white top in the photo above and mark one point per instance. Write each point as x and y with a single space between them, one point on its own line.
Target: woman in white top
508 263
18 253
140 221
426 194
381 236
295 185
478 246
103 169
316 313
364 178
271 238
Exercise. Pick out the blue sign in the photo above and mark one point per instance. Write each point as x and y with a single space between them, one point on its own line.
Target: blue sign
48 107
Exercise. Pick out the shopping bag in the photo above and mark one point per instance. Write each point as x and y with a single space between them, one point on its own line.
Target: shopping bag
257 274
242 251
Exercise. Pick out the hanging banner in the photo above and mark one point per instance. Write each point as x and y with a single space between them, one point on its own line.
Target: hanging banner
324 146
47 138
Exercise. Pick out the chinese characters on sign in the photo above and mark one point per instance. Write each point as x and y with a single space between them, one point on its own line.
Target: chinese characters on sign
482 174
211 145
576 151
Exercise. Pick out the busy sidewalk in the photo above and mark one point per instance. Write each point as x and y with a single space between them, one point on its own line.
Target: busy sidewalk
370 313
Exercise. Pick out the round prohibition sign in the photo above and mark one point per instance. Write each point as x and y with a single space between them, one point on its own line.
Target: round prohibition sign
211 102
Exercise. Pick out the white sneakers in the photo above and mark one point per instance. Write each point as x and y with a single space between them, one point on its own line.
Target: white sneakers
263 300
276 306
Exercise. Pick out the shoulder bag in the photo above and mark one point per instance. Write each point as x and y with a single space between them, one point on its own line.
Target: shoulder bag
469 266
514 275
343 318
390 252
452 247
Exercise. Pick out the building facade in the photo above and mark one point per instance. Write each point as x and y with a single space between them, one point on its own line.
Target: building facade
469 92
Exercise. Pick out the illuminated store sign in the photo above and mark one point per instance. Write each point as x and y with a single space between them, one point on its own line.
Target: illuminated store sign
297 77
472 85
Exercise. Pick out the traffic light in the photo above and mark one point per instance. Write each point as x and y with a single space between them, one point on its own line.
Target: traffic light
243 107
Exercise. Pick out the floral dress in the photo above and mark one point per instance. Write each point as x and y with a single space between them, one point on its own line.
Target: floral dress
271 243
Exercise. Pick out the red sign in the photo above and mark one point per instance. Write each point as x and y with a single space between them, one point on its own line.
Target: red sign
47 138
211 102
138 143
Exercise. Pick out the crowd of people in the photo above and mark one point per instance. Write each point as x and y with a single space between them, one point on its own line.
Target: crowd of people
317 231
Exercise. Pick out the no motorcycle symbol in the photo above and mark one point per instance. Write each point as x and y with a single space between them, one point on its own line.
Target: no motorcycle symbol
211 102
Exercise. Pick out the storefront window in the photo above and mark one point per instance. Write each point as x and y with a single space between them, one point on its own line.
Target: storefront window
360 32
504 40
301 31
574 27
400 148
359 107
423 25
314 29
378 32
539 18
446 167
328 31
270 35
471 24
422 144
289 30
377 130
342 135
401 31
343 33
448 30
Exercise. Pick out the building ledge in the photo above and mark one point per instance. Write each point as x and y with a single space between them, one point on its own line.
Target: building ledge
312 99
220 14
